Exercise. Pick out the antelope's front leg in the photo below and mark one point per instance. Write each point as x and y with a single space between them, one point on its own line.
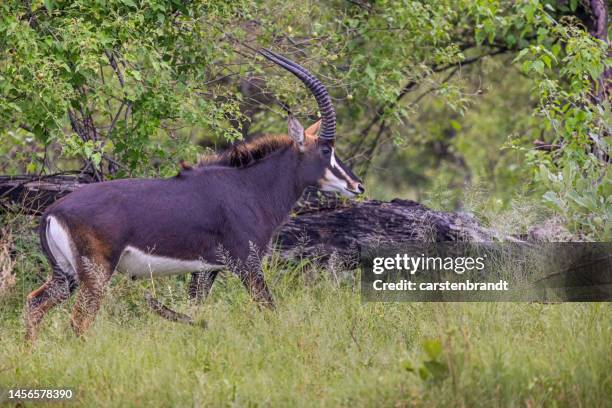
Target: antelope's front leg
252 278
200 285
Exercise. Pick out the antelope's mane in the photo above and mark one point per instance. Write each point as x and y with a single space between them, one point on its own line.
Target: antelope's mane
243 154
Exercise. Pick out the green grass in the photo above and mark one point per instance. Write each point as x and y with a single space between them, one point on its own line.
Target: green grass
322 347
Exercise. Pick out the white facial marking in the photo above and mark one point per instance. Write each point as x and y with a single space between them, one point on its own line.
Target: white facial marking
332 162
335 165
139 264
330 182
61 246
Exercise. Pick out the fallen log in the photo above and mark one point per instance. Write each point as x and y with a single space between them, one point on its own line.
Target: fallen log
31 194
324 224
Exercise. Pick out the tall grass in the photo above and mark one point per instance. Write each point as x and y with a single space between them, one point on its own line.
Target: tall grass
7 277
321 347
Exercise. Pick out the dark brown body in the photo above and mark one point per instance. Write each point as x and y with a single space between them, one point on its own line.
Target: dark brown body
190 215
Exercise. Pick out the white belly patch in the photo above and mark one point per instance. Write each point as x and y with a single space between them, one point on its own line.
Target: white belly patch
139 264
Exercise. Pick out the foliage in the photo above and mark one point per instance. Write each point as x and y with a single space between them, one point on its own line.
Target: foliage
431 95
575 178
432 369
120 73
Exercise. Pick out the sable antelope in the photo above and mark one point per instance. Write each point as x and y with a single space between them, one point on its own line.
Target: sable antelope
151 227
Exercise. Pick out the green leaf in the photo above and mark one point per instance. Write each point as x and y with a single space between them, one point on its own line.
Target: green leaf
595 72
551 197
538 66
479 35
135 74
573 5
370 72
439 371
521 55
424 373
49 5
409 367
96 159
455 125
586 201
433 348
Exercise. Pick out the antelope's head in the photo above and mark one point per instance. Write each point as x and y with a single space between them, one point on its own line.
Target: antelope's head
320 166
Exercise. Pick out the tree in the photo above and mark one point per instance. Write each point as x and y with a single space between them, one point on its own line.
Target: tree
125 88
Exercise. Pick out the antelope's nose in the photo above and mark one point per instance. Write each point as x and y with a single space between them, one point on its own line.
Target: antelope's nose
360 188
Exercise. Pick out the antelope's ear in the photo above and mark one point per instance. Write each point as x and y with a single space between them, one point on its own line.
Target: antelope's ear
314 128
296 131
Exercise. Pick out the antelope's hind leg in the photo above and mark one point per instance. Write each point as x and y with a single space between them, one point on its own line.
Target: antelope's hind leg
57 247
94 275
53 292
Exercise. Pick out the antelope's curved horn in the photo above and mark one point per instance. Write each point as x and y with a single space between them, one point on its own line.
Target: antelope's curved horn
328 113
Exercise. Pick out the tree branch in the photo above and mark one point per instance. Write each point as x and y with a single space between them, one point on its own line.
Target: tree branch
113 63
378 116
383 125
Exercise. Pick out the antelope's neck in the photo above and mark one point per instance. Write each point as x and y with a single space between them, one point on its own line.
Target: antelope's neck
277 183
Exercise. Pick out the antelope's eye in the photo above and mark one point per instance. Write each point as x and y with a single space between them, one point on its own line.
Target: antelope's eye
326 151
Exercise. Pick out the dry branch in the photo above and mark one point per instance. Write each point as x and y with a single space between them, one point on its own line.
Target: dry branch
165 312
32 194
